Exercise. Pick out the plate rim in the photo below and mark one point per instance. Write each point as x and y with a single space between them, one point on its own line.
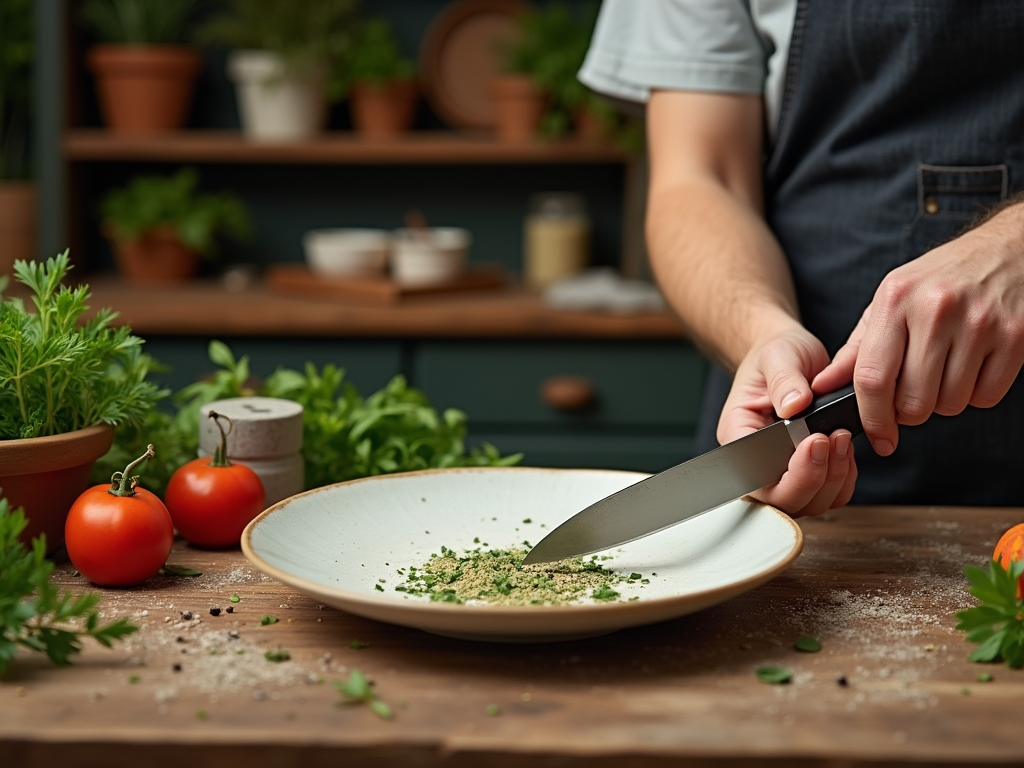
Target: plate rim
592 613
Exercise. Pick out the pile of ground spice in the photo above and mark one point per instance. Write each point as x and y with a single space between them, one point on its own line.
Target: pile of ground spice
498 576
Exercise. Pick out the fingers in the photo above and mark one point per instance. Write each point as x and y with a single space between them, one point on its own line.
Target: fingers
822 475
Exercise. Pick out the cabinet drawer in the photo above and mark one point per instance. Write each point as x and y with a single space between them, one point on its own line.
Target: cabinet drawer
630 383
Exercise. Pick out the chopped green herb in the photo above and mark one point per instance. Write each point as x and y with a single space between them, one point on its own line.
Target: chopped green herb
378 587
234 598
358 690
774 675
180 570
527 521
358 644
277 656
492 710
202 714
635 576
499 577
807 644
984 677
268 619
133 679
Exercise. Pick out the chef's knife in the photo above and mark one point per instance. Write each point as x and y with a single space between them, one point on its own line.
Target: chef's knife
698 485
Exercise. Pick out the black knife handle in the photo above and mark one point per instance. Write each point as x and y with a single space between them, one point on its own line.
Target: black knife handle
832 411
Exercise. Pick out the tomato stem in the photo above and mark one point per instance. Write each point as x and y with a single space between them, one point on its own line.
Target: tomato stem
122 483
220 453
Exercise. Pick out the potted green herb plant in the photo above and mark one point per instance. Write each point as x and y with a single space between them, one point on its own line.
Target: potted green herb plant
161 226
379 80
17 190
283 51
145 72
64 385
540 67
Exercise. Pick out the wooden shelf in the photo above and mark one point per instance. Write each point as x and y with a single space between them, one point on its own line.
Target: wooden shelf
204 307
91 145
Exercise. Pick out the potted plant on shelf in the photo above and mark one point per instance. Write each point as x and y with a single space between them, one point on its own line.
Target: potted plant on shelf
161 227
539 93
379 81
64 385
283 52
145 72
17 191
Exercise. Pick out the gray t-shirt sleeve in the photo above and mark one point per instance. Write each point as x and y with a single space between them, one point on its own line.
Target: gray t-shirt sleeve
701 45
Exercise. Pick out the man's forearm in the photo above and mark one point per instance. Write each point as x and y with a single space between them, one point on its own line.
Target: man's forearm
720 268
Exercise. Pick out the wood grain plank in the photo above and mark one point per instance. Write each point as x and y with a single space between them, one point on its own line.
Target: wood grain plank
877 586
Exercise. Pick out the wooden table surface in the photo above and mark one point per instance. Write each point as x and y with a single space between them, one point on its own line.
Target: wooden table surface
878 586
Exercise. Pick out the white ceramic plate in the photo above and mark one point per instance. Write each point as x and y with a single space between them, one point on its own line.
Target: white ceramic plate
335 543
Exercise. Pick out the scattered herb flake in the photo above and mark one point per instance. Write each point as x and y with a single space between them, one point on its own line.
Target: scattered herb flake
984 677
358 690
358 645
492 710
180 570
277 656
202 714
378 587
234 598
268 619
807 644
774 675
133 679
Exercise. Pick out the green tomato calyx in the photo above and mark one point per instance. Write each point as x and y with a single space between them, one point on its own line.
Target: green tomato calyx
123 483
220 454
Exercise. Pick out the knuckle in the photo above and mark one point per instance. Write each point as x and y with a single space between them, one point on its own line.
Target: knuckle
912 410
869 380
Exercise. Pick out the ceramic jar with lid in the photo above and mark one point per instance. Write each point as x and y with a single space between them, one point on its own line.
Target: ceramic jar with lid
266 436
556 238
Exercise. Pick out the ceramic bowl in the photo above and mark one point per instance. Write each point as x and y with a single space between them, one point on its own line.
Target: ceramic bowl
429 256
346 252
345 544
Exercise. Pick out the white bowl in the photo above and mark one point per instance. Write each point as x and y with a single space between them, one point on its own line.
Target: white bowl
344 545
429 257
346 252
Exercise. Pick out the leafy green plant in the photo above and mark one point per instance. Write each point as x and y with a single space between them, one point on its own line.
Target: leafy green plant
58 374
375 58
345 435
997 623
34 613
139 22
151 202
550 49
305 33
16 57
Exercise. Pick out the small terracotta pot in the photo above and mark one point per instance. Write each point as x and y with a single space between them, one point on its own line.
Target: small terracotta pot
144 90
45 475
156 257
17 223
384 111
519 107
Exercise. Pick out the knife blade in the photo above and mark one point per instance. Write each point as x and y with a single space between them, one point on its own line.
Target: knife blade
696 486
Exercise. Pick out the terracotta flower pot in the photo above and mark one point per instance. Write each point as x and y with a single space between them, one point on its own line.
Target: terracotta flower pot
384 111
156 257
17 223
144 90
46 474
519 107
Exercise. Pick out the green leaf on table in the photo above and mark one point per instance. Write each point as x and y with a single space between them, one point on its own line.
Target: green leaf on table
358 690
774 675
807 644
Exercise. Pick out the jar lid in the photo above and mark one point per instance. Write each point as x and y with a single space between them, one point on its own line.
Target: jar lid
261 427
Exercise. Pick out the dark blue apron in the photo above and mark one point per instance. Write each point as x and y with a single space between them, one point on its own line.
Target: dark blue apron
901 121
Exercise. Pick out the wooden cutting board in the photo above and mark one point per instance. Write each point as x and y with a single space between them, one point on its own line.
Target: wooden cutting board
298 279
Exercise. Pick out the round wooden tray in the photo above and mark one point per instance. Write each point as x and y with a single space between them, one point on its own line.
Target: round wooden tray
460 56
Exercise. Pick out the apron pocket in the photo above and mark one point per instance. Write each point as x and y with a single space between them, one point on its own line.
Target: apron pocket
949 198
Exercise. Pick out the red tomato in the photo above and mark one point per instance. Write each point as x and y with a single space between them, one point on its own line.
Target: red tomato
118 535
211 504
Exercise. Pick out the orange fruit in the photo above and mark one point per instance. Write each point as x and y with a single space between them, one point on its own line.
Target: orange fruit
1010 547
